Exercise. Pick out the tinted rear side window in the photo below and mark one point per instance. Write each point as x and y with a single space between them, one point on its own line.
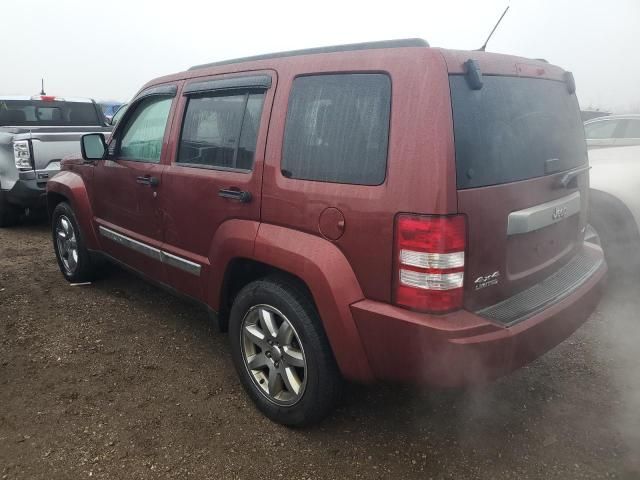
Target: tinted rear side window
507 130
337 128
221 130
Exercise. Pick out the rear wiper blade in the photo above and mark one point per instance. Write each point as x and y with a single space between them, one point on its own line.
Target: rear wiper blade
568 179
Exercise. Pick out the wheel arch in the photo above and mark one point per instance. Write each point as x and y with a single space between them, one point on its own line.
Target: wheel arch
313 262
70 187
602 204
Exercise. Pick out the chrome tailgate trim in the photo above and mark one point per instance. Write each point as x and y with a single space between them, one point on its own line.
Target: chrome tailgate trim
543 215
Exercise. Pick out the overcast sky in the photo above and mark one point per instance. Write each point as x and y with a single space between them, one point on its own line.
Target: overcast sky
108 49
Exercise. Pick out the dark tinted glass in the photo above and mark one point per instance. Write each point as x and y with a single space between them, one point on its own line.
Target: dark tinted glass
249 134
218 133
506 131
18 113
633 129
338 128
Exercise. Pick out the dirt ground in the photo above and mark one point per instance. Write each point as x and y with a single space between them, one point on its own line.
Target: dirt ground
120 380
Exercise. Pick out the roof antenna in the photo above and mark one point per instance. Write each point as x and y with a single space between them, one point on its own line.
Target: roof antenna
483 47
42 89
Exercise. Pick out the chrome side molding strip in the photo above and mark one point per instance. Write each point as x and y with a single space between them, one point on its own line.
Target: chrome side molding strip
152 252
181 263
543 215
128 242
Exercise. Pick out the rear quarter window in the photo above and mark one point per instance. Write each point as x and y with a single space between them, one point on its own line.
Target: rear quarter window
337 128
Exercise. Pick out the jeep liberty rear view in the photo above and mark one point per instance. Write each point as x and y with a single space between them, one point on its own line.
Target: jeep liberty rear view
372 212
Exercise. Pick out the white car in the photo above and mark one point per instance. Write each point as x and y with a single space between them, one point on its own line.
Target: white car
614 210
613 131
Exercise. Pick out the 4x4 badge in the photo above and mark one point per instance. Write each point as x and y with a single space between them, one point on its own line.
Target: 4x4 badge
487 280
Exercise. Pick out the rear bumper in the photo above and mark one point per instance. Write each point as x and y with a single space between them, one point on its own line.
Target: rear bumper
464 348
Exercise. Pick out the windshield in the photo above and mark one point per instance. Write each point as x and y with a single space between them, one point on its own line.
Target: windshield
507 130
18 113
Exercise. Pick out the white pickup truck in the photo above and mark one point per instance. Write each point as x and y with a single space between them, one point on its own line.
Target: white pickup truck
35 134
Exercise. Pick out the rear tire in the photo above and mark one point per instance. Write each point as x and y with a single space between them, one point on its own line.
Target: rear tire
281 353
73 257
9 214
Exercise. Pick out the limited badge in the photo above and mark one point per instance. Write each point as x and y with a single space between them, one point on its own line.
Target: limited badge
487 280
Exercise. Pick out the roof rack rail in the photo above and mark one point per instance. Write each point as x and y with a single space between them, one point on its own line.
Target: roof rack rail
406 42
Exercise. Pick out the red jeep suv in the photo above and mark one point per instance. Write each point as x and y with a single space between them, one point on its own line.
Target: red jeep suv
383 211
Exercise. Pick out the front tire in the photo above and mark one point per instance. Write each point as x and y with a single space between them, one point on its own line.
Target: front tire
73 257
281 352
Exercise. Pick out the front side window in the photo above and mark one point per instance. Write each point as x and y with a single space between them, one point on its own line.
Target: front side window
144 132
600 130
221 131
337 129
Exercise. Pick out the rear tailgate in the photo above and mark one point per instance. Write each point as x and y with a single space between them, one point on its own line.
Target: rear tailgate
52 144
521 164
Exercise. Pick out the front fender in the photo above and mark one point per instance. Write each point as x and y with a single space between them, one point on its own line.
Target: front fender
71 186
330 278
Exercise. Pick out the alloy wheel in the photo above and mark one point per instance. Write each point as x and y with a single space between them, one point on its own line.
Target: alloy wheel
67 243
273 355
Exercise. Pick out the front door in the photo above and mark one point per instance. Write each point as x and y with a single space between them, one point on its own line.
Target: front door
215 175
128 185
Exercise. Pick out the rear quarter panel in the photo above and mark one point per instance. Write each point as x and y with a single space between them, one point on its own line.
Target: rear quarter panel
420 174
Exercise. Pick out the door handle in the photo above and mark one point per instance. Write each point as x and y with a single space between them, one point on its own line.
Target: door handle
237 195
148 180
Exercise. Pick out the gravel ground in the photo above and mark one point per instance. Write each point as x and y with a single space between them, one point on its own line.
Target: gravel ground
120 380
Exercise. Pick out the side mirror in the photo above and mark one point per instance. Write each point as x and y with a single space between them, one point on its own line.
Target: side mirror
93 146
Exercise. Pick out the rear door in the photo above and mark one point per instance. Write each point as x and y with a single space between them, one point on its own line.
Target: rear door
521 165
215 173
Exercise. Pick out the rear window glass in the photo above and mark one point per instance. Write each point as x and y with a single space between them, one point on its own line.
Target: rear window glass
338 128
18 113
507 130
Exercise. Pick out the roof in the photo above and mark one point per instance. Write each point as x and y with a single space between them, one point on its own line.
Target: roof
34 97
406 42
627 116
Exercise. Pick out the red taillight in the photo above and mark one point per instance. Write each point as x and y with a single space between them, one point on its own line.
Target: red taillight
429 262
47 98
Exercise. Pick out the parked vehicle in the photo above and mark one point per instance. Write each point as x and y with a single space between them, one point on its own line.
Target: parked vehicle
119 113
614 209
35 134
382 211
613 131
109 108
